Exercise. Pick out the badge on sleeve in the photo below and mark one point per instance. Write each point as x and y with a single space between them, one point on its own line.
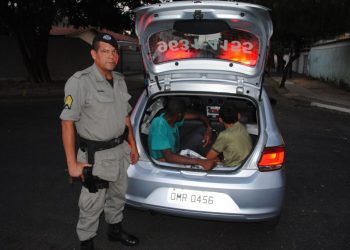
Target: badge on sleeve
68 102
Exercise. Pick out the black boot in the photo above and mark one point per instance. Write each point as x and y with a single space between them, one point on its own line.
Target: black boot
116 233
87 244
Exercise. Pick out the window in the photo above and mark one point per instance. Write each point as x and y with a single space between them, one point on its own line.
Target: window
232 45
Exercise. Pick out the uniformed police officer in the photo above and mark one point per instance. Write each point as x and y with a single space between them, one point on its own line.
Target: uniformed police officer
96 102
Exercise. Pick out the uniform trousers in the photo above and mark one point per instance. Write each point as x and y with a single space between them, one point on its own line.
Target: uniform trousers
110 200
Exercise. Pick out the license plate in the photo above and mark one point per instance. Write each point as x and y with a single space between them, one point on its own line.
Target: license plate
197 200
194 197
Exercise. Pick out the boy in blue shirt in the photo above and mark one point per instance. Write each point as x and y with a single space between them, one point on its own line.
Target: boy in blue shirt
163 138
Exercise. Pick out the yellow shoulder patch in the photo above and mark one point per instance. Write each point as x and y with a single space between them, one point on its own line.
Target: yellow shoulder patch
68 102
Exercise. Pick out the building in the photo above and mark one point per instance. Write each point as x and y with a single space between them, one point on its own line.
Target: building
327 60
68 52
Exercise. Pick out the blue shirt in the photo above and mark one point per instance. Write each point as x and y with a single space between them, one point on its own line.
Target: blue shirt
162 136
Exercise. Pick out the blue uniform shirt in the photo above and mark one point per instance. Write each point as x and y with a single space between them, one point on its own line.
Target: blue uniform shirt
162 136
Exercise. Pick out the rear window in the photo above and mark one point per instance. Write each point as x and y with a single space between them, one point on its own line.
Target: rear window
232 45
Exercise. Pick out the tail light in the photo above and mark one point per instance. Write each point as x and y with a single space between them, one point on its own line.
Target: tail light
271 159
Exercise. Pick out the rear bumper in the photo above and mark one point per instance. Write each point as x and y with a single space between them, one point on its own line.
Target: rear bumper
246 196
206 215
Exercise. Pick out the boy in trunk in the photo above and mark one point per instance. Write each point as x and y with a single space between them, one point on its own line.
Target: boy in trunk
234 142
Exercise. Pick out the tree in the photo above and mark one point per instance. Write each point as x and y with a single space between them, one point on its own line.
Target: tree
296 24
30 23
110 14
299 24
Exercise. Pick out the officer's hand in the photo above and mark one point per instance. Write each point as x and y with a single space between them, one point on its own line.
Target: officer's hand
76 169
134 155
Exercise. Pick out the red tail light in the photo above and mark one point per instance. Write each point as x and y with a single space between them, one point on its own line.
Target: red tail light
271 159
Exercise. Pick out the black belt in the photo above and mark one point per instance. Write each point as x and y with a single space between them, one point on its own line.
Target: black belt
93 183
91 147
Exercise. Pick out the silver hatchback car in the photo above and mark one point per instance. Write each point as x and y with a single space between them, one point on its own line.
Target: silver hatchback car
208 53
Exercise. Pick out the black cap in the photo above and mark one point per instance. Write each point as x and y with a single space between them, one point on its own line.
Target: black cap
105 37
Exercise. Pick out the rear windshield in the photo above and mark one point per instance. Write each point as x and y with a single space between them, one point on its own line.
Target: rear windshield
232 45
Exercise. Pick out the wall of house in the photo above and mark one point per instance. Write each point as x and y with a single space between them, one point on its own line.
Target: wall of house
301 64
66 55
331 62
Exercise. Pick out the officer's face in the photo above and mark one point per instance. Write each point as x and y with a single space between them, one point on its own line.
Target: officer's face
106 57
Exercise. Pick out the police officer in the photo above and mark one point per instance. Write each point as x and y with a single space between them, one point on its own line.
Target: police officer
96 103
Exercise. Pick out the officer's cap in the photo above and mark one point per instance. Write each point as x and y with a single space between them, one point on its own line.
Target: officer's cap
105 37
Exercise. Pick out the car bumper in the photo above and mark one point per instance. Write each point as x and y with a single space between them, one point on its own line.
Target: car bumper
244 196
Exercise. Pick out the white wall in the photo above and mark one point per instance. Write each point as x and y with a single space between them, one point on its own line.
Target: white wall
301 64
331 62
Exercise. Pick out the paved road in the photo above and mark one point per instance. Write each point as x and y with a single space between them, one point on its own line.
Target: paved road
38 208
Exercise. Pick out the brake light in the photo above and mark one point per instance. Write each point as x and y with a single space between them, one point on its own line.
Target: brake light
271 159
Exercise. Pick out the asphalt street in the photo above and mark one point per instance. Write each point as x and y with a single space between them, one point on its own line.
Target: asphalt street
38 208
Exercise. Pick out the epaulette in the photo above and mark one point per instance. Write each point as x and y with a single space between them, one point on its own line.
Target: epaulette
118 75
82 72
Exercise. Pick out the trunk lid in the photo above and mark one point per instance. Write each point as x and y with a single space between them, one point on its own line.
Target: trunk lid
216 42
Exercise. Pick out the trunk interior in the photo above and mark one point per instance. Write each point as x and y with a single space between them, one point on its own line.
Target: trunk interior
191 133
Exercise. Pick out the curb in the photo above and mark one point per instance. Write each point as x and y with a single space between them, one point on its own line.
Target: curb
307 99
331 107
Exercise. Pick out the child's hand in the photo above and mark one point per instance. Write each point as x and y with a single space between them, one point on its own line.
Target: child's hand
207 137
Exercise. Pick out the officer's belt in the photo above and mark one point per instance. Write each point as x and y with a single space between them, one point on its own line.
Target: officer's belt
93 183
91 147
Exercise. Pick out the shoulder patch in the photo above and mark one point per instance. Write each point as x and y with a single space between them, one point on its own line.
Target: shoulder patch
68 102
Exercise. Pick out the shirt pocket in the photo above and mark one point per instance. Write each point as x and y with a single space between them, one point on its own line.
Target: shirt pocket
104 97
103 105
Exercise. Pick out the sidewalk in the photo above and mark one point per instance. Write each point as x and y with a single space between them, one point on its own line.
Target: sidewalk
12 90
315 92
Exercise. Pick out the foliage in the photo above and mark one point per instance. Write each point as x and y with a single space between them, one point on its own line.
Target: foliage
30 23
110 14
297 24
307 20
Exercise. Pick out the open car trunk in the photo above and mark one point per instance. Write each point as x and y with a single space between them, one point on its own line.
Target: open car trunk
191 132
